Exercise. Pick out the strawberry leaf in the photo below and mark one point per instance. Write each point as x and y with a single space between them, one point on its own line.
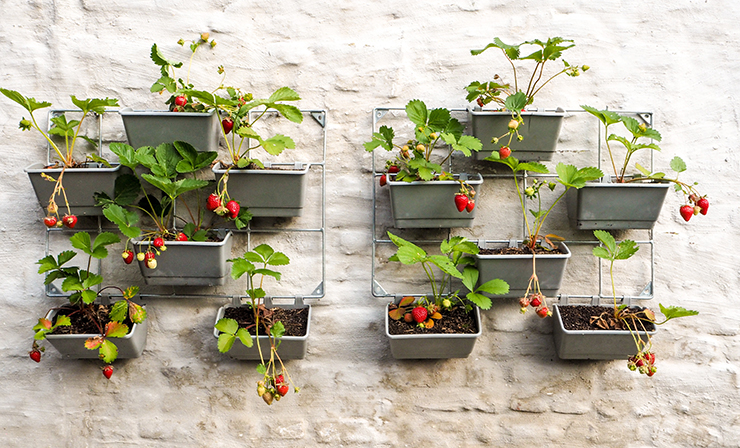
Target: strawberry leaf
288 111
136 312
277 143
480 300
278 330
130 292
228 326
278 259
44 324
102 240
271 273
673 312
108 351
119 311
417 112
124 219
48 263
406 301
88 296
678 165
240 267
494 286
264 250
445 264
30 104
116 330
396 314
244 337
94 342
284 94
470 277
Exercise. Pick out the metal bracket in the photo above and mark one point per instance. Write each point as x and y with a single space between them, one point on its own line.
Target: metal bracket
380 113
318 291
320 117
647 291
379 291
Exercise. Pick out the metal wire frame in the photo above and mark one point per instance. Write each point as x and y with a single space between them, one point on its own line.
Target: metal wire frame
647 291
320 116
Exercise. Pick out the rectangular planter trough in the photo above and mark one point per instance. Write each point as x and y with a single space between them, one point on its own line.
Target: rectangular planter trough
615 205
152 128
291 347
80 185
430 204
269 192
72 346
188 263
592 344
540 131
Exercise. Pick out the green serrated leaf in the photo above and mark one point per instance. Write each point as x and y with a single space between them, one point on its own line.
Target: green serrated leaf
480 300
244 337
108 352
417 112
278 330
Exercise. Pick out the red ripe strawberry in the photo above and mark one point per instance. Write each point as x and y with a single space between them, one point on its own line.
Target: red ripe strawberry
149 256
419 313
393 169
69 221
524 302
461 201
470 206
213 202
108 371
50 221
535 302
228 124
279 380
703 203
543 312
282 389
233 208
687 212
181 100
479 100
383 180
181 237
650 358
651 371
158 242
504 152
640 362
35 355
128 256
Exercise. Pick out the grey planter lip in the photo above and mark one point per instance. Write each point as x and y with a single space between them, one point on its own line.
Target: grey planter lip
300 168
557 112
291 347
472 179
427 336
559 319
225 234
157 113
561 245
39 167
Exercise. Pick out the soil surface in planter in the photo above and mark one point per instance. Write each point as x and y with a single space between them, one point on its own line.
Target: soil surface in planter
519 251
83 322
454 321
578 317
253 166
294 320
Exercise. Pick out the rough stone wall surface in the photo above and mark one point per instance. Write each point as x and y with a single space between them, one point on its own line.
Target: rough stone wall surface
677 59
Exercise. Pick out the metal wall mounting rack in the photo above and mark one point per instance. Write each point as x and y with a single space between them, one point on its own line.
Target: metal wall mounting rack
647 291
319 117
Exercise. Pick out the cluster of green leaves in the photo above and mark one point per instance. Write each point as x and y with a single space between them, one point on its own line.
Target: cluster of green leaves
517 97
69 130
237 107
637 131
80 283
430 127
569 177
454 253
167 163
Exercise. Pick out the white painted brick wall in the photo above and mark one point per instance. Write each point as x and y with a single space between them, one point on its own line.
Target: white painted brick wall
678 59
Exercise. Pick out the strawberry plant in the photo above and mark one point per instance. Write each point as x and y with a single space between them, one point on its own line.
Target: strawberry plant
515 98
569 177
256 264
169 81
172 173
633 319
643 137
80 283
432 128
69 130
426 309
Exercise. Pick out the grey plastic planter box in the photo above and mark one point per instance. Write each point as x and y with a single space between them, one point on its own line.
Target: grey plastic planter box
540 131
72 346
592 344
188 263
80 185
430 204
152 128
291 347
517 269
615 206
270 192
432 346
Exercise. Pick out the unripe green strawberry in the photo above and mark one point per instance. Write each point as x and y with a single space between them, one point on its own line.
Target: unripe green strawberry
140 256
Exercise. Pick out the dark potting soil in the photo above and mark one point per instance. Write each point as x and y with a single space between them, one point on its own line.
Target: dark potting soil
252 166
578 317
294 320
454 321
525 250
83 320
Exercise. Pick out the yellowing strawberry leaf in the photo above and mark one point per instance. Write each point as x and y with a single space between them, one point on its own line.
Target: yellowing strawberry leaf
94 342
130 292
136 312
44 324
429 323
108 351
436 316
116 330
406 301
396 314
